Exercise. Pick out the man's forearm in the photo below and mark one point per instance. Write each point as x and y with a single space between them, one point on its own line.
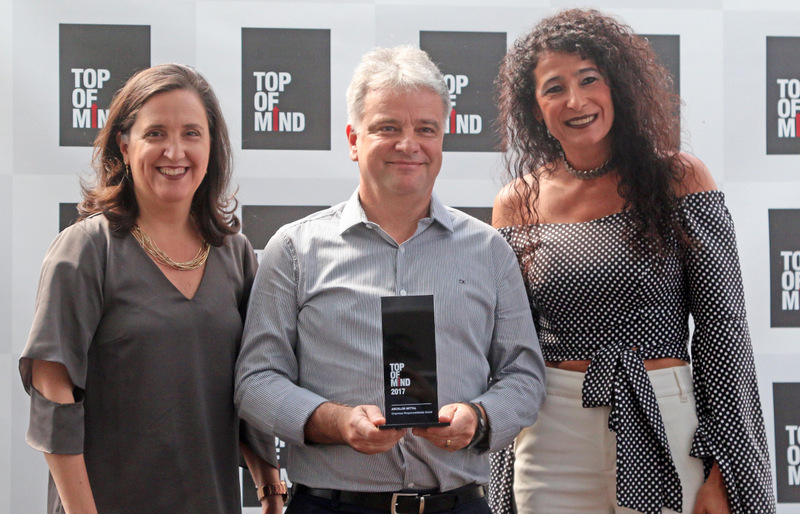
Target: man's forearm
324 424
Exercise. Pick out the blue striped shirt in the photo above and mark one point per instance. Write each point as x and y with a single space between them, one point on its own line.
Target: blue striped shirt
313 334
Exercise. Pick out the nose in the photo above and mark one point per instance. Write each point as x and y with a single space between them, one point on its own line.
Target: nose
174 149
407 143
576 98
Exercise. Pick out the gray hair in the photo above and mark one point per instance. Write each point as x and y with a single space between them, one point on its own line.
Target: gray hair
401 68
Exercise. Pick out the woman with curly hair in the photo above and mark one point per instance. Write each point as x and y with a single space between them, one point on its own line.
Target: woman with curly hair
621 237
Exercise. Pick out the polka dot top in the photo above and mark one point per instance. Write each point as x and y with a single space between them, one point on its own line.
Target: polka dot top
598 293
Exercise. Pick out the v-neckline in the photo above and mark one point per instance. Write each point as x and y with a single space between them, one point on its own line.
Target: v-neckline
167 279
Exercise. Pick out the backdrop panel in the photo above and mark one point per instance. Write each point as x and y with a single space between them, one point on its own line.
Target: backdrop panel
749 205
749 89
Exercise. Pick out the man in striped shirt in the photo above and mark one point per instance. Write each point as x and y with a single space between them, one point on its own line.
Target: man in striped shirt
310 369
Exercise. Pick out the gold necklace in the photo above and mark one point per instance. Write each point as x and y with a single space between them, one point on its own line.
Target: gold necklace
152 249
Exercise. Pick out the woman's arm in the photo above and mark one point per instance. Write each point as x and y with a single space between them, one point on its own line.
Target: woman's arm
263 474
69 471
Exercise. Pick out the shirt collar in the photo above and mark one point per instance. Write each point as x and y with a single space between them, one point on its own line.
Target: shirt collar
440 214
353 214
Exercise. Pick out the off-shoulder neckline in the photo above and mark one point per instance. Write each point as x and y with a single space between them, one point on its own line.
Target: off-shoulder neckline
681 200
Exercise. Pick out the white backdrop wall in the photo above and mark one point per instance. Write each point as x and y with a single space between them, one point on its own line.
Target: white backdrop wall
726 81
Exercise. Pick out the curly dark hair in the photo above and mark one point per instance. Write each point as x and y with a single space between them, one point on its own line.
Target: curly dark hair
646 128
112 191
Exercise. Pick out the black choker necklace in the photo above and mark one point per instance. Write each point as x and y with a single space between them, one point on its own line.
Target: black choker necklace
588 174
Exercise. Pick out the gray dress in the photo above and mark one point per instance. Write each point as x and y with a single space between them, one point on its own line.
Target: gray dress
153 371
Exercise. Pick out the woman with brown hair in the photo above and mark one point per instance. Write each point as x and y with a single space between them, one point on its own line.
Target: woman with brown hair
139 313
620 237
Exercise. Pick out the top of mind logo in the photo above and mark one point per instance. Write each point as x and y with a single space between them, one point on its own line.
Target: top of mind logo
783 95
784 249
470 62
94 62
286 89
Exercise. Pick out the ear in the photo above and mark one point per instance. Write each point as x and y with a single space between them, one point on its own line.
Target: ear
352 136
537 113
122 143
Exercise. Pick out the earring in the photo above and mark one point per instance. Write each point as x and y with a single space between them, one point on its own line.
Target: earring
127 171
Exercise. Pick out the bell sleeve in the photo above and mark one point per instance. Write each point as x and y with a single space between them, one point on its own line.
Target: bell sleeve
731 424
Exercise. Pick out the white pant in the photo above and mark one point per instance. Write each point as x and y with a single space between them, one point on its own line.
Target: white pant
566 462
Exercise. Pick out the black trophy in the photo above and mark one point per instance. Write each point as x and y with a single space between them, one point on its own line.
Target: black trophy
409 362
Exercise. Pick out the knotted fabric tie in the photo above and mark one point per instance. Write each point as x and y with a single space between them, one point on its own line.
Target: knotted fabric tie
646 476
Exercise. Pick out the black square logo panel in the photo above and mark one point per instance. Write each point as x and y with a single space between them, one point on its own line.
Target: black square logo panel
470 62
482 213
784 267
94 62
786 397
668 50
783 95
286 89
67 215
260 222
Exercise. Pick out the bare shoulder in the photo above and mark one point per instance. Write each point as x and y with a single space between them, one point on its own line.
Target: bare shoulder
509 204
697 177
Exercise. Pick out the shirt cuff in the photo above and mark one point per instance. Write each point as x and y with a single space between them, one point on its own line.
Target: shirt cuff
292 424
502 430
55 427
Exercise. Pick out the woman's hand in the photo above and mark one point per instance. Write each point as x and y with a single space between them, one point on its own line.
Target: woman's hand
711 497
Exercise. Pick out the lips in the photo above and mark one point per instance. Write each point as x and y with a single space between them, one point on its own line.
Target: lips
581 121
172 172
406 163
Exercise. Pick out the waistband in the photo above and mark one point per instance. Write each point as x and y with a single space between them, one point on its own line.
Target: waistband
676 380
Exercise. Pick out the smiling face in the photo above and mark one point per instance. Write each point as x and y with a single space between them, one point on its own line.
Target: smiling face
574 101
168 150
399 146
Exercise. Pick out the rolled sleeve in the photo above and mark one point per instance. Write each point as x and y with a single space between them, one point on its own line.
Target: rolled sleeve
267 395
55 427
517 385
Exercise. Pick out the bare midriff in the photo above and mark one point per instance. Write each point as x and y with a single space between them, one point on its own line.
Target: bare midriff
649 364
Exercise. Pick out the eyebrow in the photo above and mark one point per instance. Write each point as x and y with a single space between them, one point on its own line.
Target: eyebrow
432 122
579 72
162 126
382 121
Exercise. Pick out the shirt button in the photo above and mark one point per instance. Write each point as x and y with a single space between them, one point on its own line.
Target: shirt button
402 250
403 292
